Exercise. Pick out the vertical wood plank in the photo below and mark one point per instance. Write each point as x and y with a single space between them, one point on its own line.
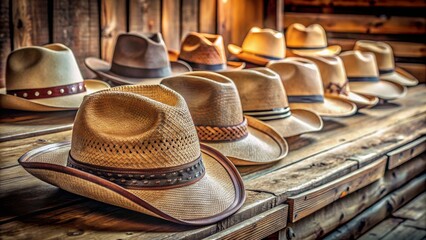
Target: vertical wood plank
30 23
224 21
113 22
273 14
207 17
76 24
144 16
170 23
4 39
190 11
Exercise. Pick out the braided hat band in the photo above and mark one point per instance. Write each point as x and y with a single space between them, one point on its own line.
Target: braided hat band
223 134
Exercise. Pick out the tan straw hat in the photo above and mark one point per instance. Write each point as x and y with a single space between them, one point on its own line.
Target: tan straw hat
204 51
386 63
218 116
308 41
260 46
137 59
303 84
263 96
136 147
45 78
363 75
336 84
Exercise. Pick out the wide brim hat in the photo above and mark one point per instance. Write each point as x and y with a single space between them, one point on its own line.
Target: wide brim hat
221 188
68 102
330 107
103 69
400 76
331 50
249 57
361 100
382 89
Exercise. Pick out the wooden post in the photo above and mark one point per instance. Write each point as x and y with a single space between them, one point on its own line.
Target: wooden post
113 22
170 23
207 16
144 16
5 39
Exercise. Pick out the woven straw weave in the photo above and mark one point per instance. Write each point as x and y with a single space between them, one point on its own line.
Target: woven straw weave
203 49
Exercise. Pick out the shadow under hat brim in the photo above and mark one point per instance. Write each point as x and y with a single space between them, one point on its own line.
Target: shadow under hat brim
332 50
382 89
230 65
361 101
103 70
245 56
300 121
69 102
400 76
220 192
331 107
263 145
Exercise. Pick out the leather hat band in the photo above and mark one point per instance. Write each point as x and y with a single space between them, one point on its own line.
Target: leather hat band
222 134
208 67
305 98
50 92
140 72
171 177
277 113
386 71
363 79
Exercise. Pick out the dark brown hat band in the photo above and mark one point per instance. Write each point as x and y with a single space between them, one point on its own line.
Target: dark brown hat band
222 134
335 88
140 72
207 67
50 92
386 71
363 79
305 98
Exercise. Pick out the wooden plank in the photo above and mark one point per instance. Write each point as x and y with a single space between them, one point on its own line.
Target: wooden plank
144 16
311 201
273 14
418 70
30 23
113 22
404 231
76 24
399 4
170 24
190 11
414 210
381 229
407 152
5 40
207 16
419 223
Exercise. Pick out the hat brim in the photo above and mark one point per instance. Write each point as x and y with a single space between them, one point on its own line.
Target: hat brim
263 145
300 121
331 107
382 89
329 51
219 193
400 76
361 101
103 70
69 102
245 56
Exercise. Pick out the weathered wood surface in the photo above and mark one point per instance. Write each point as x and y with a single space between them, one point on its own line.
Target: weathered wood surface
144 16
170 24
113 22
207 16
414 210
407 152
357 3
5 39
418 70
190 23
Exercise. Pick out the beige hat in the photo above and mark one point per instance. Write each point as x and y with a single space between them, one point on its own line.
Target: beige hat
386 63
137 59
45 78
303 84
335 82
309 41
218 116
136 147
363 75
263 96
260 46
203 51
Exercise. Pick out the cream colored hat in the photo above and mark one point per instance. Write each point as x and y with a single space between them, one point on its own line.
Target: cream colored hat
260 46
363 75
137 59
302 82
218 116
308 41
204 51
263 96
336 84
45 78
386 63
136 147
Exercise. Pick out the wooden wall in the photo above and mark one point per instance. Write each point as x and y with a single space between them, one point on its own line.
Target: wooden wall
89 27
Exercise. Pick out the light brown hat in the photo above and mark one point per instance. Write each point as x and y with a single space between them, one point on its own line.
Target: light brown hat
218 116
260 46
136 147
309 41
45 78
336 83
137 59
302 81
203 51
363 75
263 96
386 63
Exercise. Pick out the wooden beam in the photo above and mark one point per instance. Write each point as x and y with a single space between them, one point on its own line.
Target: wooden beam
113 22
414 210
145 16
273 14
207 16
170 24
5 39
407 152
190 23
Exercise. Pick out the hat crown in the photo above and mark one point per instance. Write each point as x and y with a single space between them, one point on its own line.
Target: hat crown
134 127
258 88
141 51
359 64
212 98
203 48
266 42
41 67
332 72
299 36
382 51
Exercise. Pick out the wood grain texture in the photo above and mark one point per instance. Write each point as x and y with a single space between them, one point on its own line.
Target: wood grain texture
407 152
418 70
190 23
170 24
414 210
381 229
407 231
273 14
144 16
113 22
207 17
5 40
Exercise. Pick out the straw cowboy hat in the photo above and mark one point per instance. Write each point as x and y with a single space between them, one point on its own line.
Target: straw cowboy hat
263 96
308 41
45 78
363 75
136 147
137 59
260 46
302 81
204 51
336 84
218 116
386 63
